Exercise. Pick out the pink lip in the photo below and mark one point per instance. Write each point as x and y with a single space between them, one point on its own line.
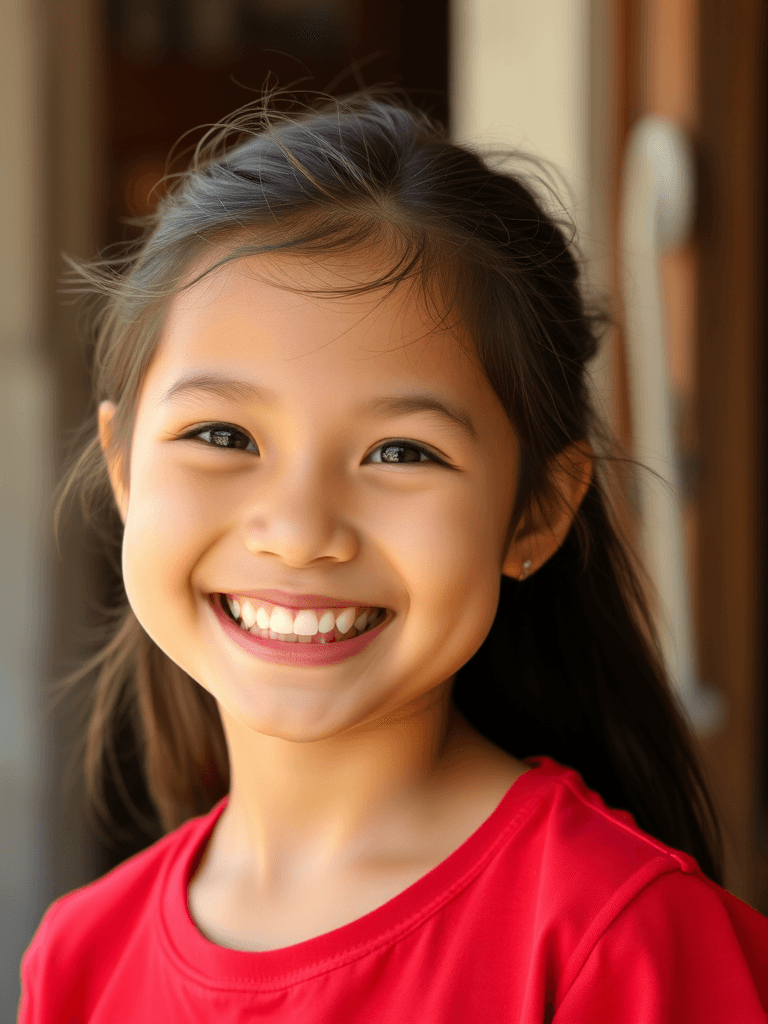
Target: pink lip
294 654
286 600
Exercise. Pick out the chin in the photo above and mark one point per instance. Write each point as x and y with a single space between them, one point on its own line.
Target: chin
300 721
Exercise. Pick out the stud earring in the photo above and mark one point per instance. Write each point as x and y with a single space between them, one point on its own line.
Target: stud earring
526 566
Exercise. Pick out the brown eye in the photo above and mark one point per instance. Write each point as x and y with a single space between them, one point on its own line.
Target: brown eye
222 435
390 449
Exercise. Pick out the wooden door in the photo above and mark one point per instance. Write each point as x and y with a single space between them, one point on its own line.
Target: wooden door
701 63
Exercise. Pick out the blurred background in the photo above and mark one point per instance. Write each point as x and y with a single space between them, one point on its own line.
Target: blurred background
94 94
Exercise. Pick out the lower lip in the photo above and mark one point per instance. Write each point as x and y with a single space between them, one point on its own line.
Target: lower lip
286 653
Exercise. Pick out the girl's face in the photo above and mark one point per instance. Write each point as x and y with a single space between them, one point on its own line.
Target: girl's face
303 500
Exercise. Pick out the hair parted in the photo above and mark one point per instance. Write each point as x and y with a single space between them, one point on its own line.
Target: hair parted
572 666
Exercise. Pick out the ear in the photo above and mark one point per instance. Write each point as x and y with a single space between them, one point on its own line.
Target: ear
107 412
538 541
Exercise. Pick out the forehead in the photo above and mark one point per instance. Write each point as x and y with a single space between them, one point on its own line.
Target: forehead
278 297
261 319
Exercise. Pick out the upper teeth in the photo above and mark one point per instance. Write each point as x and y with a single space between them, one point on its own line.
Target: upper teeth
306 622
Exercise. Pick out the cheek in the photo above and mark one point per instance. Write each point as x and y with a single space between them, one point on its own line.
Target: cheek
164 533
449 562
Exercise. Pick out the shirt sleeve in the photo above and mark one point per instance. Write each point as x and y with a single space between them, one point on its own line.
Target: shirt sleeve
28 1011
36 1005
682 951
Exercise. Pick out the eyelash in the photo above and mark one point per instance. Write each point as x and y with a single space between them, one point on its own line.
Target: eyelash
395 443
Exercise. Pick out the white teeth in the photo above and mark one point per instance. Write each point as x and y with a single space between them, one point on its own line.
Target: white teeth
325 625
306 623
345 620
291 638
280 623
248 613
361 621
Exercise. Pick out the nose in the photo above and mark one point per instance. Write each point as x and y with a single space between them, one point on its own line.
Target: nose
298 516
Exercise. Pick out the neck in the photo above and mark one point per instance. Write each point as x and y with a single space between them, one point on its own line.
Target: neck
297 811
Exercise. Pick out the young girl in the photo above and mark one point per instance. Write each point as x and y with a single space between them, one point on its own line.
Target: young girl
404 717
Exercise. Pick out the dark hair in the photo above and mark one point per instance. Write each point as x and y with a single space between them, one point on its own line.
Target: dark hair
572 666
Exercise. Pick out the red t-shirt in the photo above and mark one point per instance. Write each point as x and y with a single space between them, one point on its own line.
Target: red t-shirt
555 910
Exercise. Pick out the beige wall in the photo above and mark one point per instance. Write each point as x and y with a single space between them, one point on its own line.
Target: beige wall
519 73
533 74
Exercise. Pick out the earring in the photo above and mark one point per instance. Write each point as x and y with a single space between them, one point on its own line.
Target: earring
526 566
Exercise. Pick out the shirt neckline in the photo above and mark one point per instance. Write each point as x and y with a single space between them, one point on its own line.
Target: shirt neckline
207 963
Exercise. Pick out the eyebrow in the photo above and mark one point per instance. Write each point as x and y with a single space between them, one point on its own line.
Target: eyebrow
234 389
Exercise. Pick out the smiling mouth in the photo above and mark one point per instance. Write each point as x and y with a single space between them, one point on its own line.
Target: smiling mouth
334 636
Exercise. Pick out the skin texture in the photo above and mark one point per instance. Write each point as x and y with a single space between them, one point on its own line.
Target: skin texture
348 781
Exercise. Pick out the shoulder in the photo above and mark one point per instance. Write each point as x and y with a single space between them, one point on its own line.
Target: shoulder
682 945
576 837
109 909
595 865
640 919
